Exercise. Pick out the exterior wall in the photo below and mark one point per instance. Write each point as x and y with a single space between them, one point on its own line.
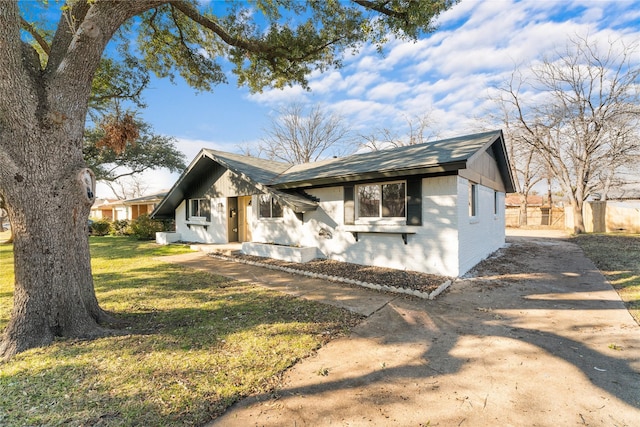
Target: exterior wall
227 184
120 213
483 234
447 243
431 248
195 231
136 210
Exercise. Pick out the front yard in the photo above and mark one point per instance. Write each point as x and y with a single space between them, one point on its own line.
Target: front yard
195 344
617 256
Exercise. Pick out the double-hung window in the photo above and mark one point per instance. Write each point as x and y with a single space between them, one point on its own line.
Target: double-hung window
270 207
386 200
199 208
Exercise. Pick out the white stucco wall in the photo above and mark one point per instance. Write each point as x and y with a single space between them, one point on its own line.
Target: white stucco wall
430 248
216 231
485 233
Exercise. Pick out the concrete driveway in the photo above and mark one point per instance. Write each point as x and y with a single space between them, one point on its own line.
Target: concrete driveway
534 337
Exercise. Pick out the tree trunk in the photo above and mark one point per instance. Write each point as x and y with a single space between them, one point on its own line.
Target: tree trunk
43 177
48 194
524 210
578 219
49 204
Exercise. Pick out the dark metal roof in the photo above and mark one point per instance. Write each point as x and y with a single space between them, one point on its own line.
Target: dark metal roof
279 179
255 169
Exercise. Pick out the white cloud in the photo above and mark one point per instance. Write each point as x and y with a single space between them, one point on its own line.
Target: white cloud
450 73
279 96
387 91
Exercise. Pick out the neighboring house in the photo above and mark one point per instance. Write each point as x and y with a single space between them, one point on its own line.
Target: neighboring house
142 205
111 209
129 209
436 207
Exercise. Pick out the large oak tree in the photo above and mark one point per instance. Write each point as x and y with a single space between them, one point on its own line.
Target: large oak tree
45 87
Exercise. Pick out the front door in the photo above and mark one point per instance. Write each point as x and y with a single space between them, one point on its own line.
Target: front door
232 215
244 219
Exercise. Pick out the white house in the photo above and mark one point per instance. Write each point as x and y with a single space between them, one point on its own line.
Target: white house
436 207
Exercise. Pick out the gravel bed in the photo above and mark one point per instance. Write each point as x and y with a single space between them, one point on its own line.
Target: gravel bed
376 275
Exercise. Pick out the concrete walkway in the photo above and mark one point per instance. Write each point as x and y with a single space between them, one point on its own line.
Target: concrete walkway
538 338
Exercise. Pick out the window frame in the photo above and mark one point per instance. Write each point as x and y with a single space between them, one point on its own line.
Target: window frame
274 206
381 216
473 200
204 211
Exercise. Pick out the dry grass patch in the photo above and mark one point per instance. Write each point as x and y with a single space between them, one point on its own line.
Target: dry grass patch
618 257
195 343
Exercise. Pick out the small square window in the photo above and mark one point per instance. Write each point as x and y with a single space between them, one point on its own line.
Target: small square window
200 208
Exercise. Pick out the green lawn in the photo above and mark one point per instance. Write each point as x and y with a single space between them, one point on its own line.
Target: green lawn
196 343
618 257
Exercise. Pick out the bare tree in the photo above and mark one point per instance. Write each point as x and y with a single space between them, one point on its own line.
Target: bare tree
419 129
128 187
300 135
524 160
585 118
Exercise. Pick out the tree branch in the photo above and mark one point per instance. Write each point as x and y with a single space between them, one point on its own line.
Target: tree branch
381 8
36 35
253 46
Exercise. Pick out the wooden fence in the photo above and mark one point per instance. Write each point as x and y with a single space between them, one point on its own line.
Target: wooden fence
536 216
608 216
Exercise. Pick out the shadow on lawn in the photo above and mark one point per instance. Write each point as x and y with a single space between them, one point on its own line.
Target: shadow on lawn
186 328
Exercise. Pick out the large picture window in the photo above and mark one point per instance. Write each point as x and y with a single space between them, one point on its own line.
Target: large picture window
270 207
382 200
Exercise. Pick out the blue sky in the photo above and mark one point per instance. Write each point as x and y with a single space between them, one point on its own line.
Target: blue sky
448 74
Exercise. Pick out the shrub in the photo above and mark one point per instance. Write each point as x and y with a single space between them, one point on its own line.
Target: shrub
100 227
145 228
120 227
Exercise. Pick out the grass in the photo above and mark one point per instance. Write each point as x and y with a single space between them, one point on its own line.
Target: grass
196 344
618 257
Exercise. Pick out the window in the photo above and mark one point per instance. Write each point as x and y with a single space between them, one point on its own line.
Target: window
270 207
473 199
496 199
382 200
199 208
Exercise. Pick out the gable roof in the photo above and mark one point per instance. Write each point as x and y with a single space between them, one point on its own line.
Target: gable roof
420 159
279 179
